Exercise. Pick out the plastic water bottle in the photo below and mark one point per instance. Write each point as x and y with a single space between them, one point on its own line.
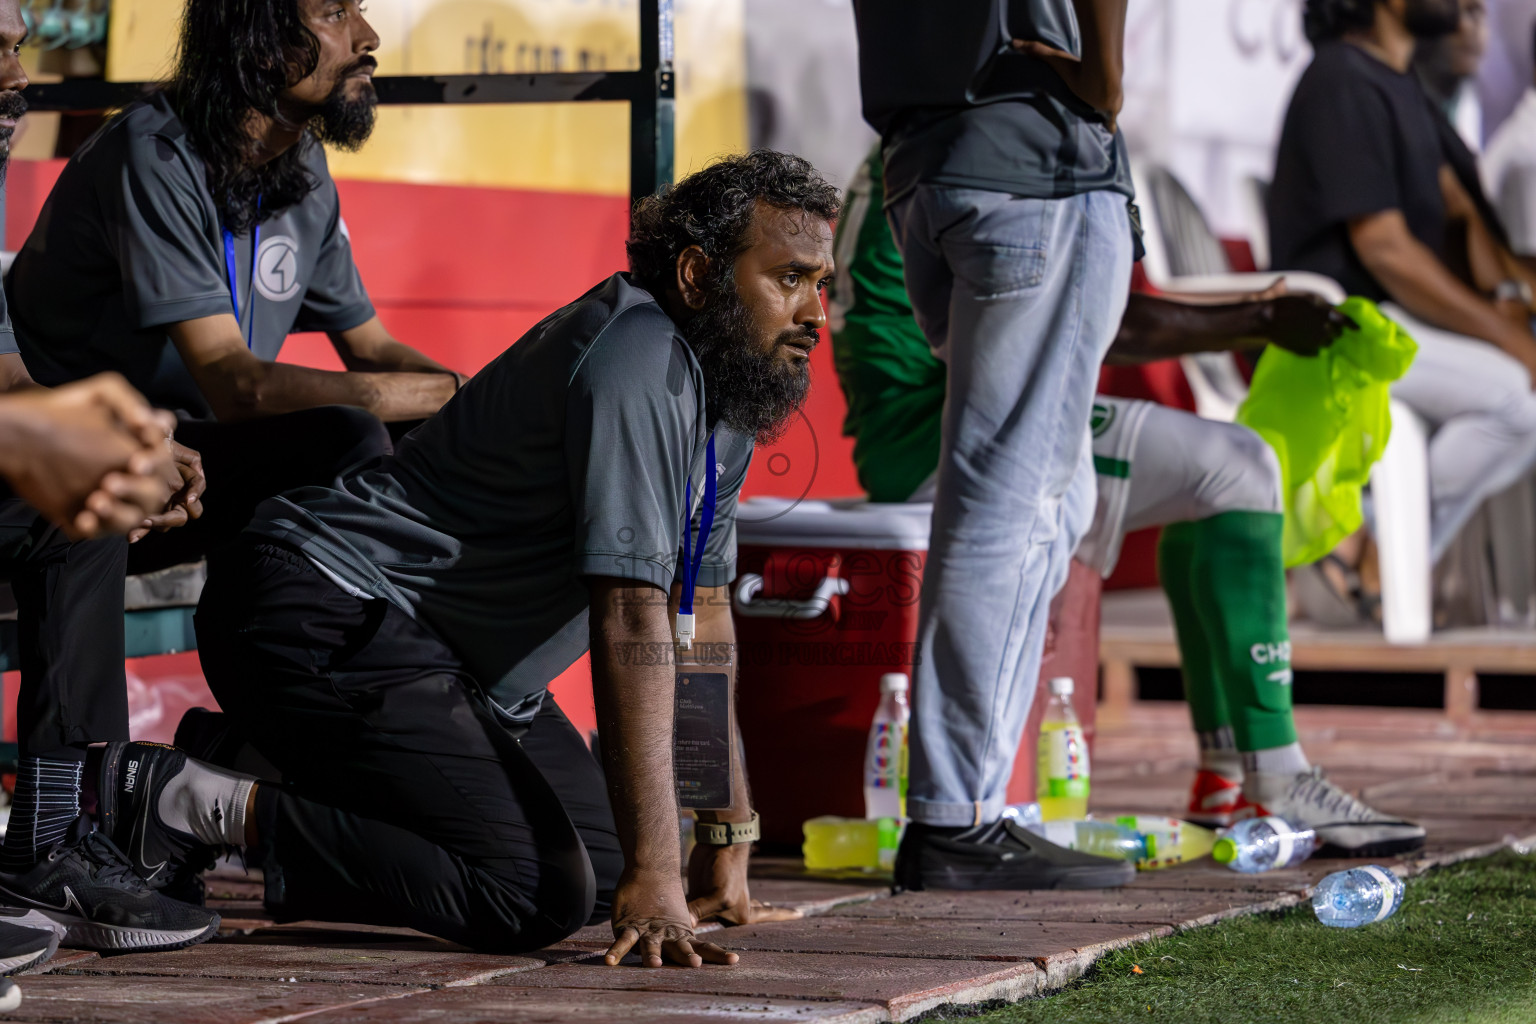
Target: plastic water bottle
1263 844
838 844
1061 766
1363 895
1105 838
885 758
1169 840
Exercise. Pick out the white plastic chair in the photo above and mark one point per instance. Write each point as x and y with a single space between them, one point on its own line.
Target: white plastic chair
1183 255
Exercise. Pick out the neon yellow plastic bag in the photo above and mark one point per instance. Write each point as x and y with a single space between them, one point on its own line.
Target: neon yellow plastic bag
1327 419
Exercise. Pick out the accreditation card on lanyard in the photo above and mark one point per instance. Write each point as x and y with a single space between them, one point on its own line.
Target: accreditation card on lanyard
248 330
702 726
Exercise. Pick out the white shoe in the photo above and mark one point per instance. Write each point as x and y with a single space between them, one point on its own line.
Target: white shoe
1345 827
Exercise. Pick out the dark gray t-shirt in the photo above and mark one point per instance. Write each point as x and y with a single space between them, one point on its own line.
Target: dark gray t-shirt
130 241
566 457
956 106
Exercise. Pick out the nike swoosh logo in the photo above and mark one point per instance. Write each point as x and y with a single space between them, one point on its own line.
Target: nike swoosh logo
69 901
149 790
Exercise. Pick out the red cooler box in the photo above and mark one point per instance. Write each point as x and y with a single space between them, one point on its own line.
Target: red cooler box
826 603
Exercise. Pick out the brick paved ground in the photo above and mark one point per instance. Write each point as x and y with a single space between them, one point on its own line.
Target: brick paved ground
860 955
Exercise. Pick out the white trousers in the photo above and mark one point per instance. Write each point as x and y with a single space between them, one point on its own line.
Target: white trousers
1482 412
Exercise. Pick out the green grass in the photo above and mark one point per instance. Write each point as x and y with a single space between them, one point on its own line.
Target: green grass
1462 949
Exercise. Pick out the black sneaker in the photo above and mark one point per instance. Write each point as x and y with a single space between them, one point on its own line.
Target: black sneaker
127 804
86 884
27 939
999 856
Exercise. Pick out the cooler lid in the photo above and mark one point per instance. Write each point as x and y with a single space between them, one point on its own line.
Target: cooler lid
841 523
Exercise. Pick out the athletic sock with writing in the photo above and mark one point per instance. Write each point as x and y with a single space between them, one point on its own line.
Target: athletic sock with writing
47 802
1219 754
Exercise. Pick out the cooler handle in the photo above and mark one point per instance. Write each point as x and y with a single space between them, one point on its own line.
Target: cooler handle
748 603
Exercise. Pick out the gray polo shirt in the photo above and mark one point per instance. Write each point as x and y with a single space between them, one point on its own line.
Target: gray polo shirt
564 458
130 241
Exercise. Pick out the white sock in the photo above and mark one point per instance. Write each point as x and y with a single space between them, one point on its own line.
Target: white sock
207 802
1218 753
1286 760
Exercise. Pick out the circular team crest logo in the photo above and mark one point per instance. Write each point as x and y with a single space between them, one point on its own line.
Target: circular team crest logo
277 268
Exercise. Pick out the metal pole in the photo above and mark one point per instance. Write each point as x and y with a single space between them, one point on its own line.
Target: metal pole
651 114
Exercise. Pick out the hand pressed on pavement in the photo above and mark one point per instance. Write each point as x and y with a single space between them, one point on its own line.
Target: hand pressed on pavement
90 456
185 476
651 917
717 885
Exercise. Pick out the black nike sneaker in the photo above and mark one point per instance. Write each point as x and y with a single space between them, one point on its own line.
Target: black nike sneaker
127 804
86 884
27 939
999 856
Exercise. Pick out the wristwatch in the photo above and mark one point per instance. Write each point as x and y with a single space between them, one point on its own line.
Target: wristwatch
1519 291
726 833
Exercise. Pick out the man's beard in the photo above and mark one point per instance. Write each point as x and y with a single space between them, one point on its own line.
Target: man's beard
1429 19
746 388
344 122
12 106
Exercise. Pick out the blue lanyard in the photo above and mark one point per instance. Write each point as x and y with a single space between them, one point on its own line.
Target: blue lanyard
234 291
694 557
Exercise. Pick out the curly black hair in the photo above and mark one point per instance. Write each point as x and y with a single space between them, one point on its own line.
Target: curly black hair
1329 19
712 209
236 56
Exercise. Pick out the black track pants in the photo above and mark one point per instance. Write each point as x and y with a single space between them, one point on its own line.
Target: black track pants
69 599
405 800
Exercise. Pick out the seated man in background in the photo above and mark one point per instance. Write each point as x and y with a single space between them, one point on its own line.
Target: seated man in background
181 244
189 237
1215 487
387 642
1364 193
1509 172
85 464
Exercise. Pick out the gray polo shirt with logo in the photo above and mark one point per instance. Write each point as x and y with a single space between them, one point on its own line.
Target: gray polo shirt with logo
566 457
130 241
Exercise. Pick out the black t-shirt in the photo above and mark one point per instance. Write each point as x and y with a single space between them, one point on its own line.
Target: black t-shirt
1359 138
129 241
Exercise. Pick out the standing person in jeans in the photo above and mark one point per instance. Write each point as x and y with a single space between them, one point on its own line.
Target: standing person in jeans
1007 189
1365 193
1214 487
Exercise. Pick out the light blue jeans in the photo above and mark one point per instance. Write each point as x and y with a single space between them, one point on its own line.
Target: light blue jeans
1021 299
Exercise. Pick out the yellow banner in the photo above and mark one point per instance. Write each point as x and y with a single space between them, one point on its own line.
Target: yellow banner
567 147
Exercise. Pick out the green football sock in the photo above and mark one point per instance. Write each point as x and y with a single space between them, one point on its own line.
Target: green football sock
1238 644
1202 685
